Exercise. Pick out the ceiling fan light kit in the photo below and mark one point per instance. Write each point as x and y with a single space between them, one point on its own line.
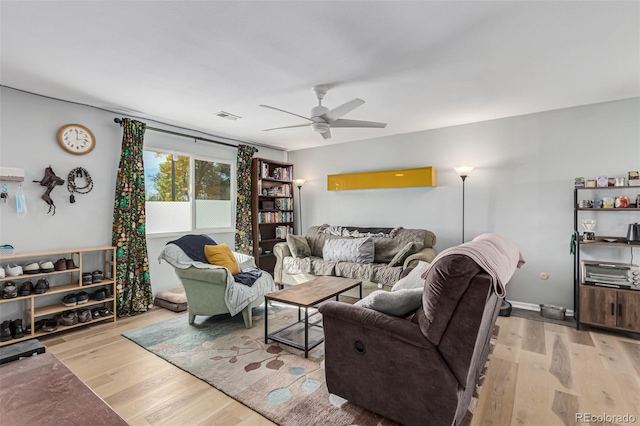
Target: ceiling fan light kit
322 119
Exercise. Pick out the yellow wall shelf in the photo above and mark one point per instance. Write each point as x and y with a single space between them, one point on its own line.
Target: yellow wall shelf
396 178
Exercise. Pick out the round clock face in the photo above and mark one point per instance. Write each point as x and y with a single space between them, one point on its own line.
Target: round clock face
76 139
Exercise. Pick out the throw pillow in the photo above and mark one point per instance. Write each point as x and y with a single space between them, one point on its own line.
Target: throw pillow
298 246
221 255
399 303
413 279
358 250
406 251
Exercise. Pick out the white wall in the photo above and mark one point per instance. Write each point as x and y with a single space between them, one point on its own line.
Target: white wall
522 186
28 129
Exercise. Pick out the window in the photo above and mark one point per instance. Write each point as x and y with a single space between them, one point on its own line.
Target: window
185 193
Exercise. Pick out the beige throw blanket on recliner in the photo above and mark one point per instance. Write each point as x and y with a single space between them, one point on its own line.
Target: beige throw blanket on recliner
495 254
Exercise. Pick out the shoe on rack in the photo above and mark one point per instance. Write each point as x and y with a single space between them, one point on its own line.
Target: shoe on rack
14 270
99 294
35 326
107 292
60 265
10 290
42 286
31 268
84 315
70 300
95 313
26 288
104 311
16 329
68 318
97 276
2 275
5 331
87 278
82 297
50 325
70 264
46 266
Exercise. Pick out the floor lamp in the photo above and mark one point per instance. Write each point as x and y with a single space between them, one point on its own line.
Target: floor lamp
299 183
463 172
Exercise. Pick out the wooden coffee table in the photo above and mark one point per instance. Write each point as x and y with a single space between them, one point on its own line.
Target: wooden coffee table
306 295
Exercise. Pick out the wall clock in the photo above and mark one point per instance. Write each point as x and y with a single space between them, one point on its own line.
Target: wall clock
76 139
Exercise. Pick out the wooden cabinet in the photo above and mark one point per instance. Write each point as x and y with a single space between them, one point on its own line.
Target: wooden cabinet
613 308
48 305
272 212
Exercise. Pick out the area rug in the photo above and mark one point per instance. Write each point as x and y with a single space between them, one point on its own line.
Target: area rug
273 379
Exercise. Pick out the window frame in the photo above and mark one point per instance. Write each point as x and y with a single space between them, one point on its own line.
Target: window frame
192 205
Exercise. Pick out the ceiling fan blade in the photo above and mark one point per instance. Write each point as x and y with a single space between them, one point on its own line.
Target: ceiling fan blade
286 112
286 127
342 110
326 134
357 123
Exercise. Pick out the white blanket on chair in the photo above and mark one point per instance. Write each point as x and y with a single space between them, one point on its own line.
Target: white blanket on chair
495 254
236 296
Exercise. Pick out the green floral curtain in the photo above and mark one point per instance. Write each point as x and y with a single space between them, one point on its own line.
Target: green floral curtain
134 294
244 241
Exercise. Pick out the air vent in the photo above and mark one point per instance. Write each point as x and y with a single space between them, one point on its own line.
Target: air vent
228 116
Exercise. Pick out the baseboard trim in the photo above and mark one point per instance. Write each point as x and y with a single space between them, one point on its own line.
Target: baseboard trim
533 307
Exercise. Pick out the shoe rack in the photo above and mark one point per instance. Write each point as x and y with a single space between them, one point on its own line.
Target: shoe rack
49 304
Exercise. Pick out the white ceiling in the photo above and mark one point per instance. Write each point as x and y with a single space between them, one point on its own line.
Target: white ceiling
418 65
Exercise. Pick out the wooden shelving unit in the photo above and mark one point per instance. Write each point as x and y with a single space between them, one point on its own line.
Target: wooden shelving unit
271 208
33 310
611 308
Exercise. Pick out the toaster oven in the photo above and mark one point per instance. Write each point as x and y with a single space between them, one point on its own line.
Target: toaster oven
611 274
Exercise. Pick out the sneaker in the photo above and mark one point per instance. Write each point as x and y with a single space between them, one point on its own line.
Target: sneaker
97 276
68 318
5 331
104 311
16 329
82 297
87 278
69 300
42 286
60 265
10 290
50 325
70 264
2 272
84 315
95 313
31 268
14 270
46 266
26 288
99 294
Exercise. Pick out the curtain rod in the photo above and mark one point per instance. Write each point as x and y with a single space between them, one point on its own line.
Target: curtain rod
184 135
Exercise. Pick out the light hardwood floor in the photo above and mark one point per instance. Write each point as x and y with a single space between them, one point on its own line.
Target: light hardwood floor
540 374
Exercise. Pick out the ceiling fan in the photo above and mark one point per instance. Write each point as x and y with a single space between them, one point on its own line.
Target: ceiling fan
322 119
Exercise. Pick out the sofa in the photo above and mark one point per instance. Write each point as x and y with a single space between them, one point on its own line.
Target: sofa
433 353
388 243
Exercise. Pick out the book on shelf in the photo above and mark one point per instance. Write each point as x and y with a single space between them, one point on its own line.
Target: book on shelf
283 230
275 217
283 204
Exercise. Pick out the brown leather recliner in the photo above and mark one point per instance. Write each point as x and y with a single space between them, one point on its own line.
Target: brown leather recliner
419 370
